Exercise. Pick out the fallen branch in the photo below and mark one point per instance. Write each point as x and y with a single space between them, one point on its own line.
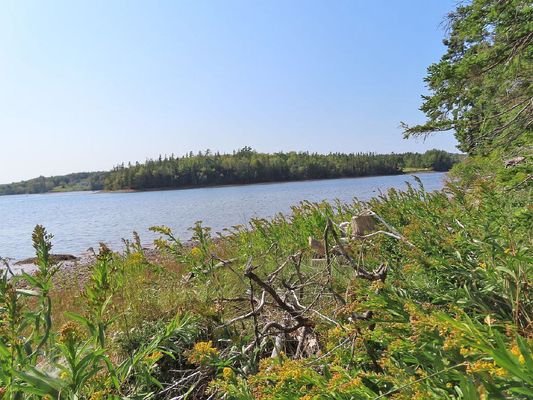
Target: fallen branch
380 274
255 311
392 231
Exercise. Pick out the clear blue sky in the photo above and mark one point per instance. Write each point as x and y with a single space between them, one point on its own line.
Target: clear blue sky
85 85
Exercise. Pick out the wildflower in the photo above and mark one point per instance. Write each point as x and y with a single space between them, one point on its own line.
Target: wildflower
516 352
98 395
136 258
228 374
160 243
419 395
152 358
290 370
478 366
165 230
452 340
377 285
202 353
196 252
465 351
335 381
265 364
484 366
70 333
352 384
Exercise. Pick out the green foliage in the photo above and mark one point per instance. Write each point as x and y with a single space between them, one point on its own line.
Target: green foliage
434 302
481 88
241 167
64 183
452 319
248 166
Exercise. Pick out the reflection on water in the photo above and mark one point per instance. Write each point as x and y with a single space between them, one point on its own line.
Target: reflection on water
81 220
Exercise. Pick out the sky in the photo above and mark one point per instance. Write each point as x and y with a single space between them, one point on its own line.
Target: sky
86 85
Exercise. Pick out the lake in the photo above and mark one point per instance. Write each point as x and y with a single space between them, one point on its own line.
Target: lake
79 220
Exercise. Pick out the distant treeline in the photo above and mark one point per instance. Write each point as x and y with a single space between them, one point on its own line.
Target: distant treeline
248 166
64 183
241 167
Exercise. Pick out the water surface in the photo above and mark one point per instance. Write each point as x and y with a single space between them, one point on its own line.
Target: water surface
79 220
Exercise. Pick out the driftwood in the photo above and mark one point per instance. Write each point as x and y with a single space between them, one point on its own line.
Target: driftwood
282 307
54 258
285 305
513 161
363 223
318 247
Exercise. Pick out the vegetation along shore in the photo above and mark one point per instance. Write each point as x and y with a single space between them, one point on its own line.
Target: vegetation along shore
244 166
411 295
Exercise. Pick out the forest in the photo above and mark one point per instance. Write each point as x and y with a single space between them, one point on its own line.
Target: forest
411 295
243 166
248 166
63 183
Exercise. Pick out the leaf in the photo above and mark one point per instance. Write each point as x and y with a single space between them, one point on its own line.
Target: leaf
468 390
30 279
81 319
40 382
28 292
522 390
526 353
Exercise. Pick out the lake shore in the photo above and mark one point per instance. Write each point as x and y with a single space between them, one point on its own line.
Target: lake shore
405 171
80 220
191 187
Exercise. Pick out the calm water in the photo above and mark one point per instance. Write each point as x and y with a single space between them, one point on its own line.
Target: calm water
80 220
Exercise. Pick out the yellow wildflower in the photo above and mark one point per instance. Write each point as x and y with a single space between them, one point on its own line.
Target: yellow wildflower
265 364
335 381
202 353
70 332
154 357
517 353
98 395
228 374
466 351
485 366
196 252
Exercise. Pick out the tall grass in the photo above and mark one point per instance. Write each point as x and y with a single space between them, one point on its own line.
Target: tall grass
440 307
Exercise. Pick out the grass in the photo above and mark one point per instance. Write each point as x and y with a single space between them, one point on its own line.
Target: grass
407 170
255 314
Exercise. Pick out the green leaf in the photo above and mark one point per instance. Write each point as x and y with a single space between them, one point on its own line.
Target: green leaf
28 292
42 383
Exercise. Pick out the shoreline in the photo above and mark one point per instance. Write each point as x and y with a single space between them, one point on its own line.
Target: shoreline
74 264
164 189
78 255
190 187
